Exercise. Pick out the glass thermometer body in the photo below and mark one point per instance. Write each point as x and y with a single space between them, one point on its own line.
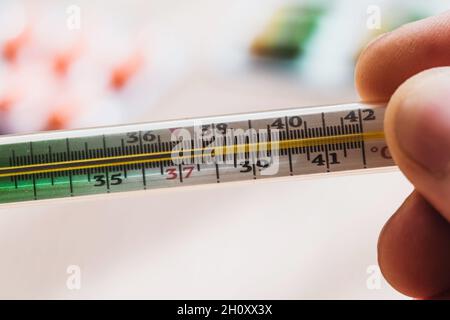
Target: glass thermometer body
291 142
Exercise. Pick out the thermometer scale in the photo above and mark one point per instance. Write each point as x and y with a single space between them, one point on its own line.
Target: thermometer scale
290 142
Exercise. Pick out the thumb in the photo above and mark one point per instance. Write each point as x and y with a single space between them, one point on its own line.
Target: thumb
414 246
417 126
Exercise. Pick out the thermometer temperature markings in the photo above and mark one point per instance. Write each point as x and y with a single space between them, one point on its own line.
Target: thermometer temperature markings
108 161
288 142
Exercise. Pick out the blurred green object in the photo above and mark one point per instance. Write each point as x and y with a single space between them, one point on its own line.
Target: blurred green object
288 32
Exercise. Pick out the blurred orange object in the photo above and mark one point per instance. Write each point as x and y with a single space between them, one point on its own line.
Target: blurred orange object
63 59
62 62
12 46
123 72
6 103
7 100
58 119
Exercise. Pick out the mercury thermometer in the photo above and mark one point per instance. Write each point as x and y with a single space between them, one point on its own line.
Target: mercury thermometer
211 150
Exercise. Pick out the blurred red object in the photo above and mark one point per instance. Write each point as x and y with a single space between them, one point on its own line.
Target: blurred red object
61 63
6 104
122 73
8 100
63 60
58 119
12 46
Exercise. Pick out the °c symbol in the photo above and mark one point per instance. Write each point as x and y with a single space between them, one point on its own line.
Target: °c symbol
384 152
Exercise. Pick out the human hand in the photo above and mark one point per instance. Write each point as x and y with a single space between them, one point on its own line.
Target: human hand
408 68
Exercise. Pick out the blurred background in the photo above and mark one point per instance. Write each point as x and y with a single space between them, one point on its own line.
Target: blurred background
70 64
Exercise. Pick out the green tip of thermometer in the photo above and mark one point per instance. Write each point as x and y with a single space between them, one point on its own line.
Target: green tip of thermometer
289 142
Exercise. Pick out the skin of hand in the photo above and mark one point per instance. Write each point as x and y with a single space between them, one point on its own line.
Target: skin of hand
410 68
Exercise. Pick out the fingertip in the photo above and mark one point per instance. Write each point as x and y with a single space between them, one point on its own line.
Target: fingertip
417 127
414 250
398 55
366 84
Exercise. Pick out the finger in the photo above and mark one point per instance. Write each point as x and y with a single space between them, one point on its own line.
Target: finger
390 60
382 68
445 296
417 127
414 250
414 247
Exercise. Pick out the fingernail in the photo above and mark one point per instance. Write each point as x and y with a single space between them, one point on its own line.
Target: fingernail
423 125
